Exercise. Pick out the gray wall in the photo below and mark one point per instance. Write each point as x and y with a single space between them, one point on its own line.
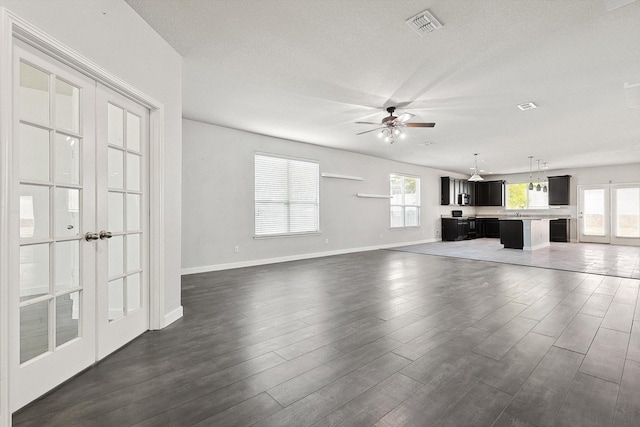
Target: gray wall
218 201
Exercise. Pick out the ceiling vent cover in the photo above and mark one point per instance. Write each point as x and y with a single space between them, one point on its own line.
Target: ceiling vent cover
527 106
423 23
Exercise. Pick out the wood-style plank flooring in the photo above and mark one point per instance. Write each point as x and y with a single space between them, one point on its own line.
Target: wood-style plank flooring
380 338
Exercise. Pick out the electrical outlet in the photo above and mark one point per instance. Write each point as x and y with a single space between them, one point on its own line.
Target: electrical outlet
381 235
437 232
326 241
236 249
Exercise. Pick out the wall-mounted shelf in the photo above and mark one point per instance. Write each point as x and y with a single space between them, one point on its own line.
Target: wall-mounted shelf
373 196
340 176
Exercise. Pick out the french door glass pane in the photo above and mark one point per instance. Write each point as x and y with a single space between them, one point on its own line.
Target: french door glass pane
628 212
67 158
67 212
593 215
116 256
34 94
116 299
34 271
133 172
67 106
115 164
34 153
34 330
67 274
133 132
34 212
133 252
115 117
116 211
133 212
133 292
67 317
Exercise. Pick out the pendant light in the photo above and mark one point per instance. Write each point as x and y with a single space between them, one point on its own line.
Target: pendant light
538 187
476 176
530 179
544 168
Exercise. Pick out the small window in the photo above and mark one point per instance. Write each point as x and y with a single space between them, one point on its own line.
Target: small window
405 201
286 196
520 197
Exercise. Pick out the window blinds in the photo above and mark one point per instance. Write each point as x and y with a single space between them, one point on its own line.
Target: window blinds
286 196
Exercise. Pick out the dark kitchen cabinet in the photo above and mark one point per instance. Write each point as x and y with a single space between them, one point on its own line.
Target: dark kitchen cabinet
451 190
511 234
559 230
491 227
559 190
455 229
445 190
487 193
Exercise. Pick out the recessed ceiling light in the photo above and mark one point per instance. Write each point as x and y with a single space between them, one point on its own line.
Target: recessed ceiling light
527 106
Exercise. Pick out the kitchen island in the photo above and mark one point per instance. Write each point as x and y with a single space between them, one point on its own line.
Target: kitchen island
526 233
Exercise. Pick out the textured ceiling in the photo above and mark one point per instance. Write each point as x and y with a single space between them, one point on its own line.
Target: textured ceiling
307 70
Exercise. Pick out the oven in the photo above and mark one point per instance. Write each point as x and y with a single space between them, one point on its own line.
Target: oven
472 228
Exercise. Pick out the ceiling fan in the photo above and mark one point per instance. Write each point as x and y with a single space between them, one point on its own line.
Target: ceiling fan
392 126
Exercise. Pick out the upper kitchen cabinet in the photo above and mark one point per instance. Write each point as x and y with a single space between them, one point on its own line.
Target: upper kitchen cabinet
559 190
454 191
488 193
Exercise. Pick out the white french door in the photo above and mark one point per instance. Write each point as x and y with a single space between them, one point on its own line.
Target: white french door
609 213
594 214
80 266
122 268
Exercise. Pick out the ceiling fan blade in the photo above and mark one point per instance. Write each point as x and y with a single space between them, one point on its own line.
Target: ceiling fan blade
367 131
367 123
420 125
404 117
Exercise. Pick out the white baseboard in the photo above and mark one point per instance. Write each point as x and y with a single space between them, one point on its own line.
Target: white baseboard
172 316
265 261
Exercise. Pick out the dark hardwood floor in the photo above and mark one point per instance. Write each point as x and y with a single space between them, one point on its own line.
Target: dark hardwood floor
380 338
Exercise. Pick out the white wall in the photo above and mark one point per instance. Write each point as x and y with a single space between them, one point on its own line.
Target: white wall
112 35
218 201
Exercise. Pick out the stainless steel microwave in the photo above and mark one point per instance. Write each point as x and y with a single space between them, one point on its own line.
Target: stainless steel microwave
463 199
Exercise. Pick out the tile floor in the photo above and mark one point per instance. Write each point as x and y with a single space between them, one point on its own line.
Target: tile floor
380 338
610 260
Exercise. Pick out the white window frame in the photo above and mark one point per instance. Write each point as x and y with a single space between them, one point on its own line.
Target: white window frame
506 196
288 202
404 205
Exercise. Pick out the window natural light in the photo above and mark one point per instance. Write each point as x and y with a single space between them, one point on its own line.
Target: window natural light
405 201
286 196
518 196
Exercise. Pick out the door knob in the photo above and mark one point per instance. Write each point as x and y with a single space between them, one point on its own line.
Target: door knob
91 236
105 235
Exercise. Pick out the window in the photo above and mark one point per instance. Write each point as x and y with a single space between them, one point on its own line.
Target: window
405 201
627 212
286 196
520 197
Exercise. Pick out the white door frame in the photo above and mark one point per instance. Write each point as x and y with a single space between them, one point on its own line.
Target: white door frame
11 26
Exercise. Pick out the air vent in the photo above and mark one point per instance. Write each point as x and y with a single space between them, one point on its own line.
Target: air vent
423 23
527 106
